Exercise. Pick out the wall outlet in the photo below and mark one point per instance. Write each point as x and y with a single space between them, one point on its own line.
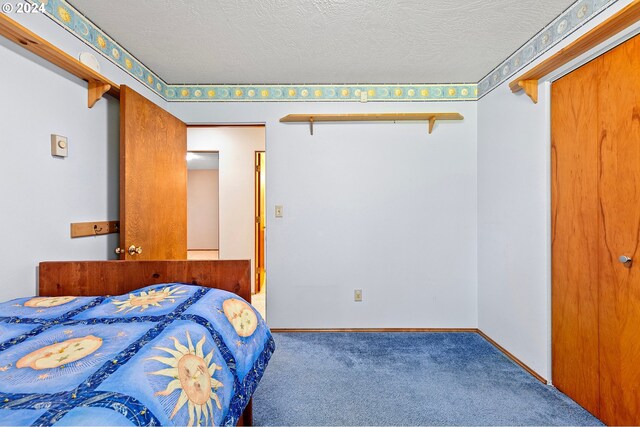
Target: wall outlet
357 295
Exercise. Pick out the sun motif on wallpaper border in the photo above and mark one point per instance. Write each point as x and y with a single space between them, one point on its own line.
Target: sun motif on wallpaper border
146 299
193 374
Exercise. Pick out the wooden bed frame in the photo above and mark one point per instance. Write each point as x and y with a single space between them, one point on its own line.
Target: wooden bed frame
100 278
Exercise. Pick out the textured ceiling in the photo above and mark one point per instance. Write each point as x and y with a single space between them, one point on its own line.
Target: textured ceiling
321 41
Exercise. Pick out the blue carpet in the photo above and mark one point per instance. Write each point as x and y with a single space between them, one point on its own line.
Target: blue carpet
403 379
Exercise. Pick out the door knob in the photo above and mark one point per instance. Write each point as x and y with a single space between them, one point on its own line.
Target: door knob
133 250
625 260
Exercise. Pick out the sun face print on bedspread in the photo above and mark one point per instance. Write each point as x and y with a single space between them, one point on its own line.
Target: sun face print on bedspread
60 353
48 301
185 371
64 356
155 300
241 327
42 307
142 300
241 316
192 375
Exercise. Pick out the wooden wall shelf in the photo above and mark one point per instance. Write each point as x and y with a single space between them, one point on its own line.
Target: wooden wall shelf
528 81
98 85
371 117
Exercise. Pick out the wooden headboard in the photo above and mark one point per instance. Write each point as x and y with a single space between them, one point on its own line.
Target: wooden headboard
95 278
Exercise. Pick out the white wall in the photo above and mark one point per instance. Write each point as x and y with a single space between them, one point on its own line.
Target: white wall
41 195
383 207
236 187
514 226
202 209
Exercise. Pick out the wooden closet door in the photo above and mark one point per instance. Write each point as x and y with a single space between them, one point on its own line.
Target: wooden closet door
575 207
619 188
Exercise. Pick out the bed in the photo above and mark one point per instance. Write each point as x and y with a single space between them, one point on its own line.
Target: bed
133 343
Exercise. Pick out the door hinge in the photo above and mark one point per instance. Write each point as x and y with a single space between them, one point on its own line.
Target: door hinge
257 220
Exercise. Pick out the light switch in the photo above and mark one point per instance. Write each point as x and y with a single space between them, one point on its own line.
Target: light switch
278 211
59 146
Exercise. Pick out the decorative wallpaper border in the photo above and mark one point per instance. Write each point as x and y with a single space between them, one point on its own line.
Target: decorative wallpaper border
352 93
564 25
570 20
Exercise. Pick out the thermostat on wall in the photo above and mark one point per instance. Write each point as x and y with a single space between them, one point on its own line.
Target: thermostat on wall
59 146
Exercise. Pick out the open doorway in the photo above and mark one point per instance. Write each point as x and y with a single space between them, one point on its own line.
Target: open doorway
237 146
203 205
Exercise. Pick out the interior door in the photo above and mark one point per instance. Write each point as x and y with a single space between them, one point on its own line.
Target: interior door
153 181
260 218
619 188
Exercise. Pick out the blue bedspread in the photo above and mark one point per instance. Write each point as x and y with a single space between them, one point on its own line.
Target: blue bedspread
169 354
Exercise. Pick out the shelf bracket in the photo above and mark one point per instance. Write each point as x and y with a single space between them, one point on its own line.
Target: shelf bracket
432 122
96 90
311 125
530 87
